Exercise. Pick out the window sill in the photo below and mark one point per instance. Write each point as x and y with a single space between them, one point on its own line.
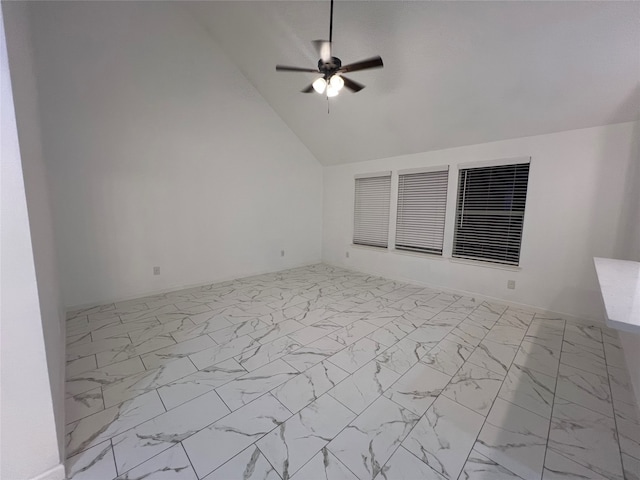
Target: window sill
433 256
370 248
477 263
425 255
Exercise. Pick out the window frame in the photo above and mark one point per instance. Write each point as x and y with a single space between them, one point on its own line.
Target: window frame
486 260
354 241
413 249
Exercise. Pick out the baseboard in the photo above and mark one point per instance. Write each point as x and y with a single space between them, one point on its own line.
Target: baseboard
55 473
543 311
177 288
566 316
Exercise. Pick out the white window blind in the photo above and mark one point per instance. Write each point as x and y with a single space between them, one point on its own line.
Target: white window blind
490 213
371 217
422 204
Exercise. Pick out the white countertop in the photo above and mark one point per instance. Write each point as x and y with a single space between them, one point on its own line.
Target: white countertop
620 288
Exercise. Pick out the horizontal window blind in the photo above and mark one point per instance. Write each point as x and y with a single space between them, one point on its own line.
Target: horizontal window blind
371 216
490 213
422 204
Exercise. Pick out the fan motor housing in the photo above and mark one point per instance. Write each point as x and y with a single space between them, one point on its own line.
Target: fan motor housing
329 67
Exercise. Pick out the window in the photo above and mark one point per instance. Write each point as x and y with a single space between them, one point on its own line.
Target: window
371 216
490 213
422 203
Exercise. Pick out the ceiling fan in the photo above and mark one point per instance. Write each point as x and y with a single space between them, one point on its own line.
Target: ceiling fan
331 68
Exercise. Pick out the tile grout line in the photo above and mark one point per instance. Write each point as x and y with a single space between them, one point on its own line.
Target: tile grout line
492 402
197 369
583 369
162 402
255 444
166 411
590 410
206 426
615 420
349 374
591 373
113 455
497 393
329 395
189 459
128 334
555 391
421 416
326 445
119 474
355 418
149 370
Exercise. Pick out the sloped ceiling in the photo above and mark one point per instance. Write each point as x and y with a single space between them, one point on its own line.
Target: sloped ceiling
456 73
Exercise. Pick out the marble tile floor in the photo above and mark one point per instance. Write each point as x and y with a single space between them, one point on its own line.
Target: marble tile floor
325 373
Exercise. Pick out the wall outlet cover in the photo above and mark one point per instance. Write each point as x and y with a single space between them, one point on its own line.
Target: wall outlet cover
156 270
511 284
346 254
282 253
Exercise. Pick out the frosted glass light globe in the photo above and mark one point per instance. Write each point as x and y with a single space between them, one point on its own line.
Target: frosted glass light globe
319 85
336 82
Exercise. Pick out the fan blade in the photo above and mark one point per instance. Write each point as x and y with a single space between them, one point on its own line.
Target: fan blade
351 85
309 89
373 62
323 47
284 68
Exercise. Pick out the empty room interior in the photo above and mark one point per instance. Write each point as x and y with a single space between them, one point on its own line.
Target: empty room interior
350 240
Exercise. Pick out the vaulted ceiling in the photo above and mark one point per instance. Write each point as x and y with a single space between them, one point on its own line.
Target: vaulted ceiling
456 73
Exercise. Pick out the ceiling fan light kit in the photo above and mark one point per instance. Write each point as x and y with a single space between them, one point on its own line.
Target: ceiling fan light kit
336 82
320 85
331 68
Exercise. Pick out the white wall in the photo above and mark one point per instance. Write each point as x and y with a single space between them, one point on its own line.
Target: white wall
25 97
29 445
573 213
162 154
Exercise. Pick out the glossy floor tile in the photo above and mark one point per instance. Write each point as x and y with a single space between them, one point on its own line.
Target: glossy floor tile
324 373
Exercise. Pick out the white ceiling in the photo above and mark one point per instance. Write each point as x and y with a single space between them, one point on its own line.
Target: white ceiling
456 73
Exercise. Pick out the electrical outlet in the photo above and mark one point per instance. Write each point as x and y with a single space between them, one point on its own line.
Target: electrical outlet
511 284
156 270
346 254
282 253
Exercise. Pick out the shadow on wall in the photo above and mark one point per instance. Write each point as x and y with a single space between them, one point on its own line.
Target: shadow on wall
628 246
622 225
613 173
628 238
37 189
